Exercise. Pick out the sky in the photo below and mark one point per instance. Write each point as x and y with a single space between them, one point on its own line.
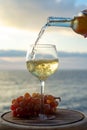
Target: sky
21 21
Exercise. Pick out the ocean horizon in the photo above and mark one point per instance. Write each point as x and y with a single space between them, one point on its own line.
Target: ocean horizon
70 85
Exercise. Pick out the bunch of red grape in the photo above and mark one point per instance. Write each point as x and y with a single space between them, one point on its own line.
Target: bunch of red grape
30 105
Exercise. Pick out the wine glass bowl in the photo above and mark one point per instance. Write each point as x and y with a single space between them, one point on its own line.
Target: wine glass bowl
42 62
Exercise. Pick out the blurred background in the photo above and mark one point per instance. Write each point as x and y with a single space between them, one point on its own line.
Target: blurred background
20 23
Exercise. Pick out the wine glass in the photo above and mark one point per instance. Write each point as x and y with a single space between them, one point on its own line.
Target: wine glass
42 62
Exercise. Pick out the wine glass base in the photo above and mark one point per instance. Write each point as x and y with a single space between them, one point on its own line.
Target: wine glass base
46 117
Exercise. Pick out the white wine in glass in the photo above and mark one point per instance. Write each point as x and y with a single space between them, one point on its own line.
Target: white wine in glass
42 63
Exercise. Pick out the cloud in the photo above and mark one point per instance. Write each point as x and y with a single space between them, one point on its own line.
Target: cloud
12 53
13 59
72 54
12 63
18 53
73 63
32 14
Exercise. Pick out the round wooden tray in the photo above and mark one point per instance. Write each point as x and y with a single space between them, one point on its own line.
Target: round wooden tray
62 117
65 120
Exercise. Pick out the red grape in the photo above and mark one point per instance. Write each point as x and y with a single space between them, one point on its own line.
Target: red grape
30 105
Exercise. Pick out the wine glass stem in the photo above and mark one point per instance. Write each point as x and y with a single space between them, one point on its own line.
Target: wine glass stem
42 96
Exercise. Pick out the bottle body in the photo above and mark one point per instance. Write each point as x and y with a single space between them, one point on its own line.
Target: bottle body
78 23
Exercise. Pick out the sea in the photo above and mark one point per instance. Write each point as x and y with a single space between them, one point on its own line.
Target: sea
70 85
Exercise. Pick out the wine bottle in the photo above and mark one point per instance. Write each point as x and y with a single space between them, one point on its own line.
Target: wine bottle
78 23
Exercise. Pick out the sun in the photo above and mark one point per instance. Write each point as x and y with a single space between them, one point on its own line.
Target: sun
4 36
12 38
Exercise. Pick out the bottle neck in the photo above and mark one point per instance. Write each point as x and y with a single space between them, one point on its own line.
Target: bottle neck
59 21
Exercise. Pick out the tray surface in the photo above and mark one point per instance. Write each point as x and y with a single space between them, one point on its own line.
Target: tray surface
63 117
